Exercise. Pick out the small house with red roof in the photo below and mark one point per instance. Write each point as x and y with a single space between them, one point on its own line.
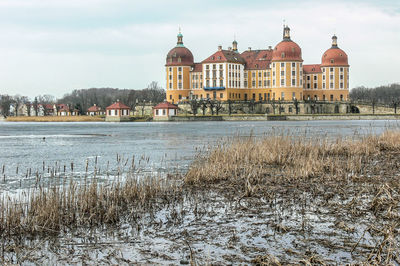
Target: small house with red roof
117 112
95 110
164 111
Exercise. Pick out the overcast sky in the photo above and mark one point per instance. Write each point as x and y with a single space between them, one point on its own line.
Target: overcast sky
55 46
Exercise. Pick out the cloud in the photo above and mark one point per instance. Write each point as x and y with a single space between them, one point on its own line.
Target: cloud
55 46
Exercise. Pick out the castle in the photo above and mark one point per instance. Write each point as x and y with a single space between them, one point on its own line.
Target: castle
259 75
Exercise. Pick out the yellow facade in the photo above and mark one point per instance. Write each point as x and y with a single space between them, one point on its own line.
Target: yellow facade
230 75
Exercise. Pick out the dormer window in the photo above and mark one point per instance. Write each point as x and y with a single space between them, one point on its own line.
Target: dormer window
283 55
313 69
332 61
212 58
293 49
219 57
256 66
179 59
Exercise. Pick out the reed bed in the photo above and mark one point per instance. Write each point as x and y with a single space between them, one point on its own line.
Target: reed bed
341 195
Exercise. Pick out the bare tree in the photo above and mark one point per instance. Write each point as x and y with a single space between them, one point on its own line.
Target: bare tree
211 104
218 106
204 106
194 106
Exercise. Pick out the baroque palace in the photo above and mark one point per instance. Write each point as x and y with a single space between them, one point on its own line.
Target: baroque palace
261 75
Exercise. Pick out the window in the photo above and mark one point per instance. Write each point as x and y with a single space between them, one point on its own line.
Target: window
221 95
170 85
331 69
268 83
341 76
259 97
293 64
315 86
265 83
282 73
341 85
308 77
283 55
180 85
208 96
179 76
207 83
207 67
180 97
293 73
331 97
323 77
282 82
273 82
265 74
170 76
323 85
221 73
245 83
293 95
331 76
283 96
179 69
214 66
253 74
282 64
253 83
293 82
214 83
259 74
170 69
221 83
331 85
170 97
332 61
254 96
308 85
273 73
259 83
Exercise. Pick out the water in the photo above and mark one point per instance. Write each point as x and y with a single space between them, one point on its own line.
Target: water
167 145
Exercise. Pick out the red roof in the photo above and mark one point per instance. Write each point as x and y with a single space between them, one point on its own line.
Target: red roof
257 59
179 56
198 67
117 105
225 56
94 108
63 107
165 105
335 57
310 69
287 50
49 107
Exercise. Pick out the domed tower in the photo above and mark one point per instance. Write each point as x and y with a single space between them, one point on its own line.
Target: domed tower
287 69
178 65
335 72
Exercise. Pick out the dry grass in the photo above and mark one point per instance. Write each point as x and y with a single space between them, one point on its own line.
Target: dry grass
284 159
352 181
83 118
57 208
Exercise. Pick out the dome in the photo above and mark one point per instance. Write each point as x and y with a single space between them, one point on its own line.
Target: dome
334 56
179 55
287 50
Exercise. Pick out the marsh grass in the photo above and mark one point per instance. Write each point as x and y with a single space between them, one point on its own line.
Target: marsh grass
353 181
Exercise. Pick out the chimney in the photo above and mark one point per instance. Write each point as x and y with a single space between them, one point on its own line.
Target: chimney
230 48
219 47
249 49
270 47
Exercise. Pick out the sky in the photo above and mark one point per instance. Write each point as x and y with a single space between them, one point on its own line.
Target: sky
56 46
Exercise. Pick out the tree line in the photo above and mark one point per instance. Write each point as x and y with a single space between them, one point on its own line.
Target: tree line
82 99
387 95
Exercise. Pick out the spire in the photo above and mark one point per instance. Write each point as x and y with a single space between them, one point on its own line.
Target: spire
180 38
334 41
234 44
286 33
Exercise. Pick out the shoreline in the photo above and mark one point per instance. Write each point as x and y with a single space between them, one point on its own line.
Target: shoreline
201 118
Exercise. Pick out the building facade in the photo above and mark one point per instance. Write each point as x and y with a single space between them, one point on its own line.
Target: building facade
259 75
